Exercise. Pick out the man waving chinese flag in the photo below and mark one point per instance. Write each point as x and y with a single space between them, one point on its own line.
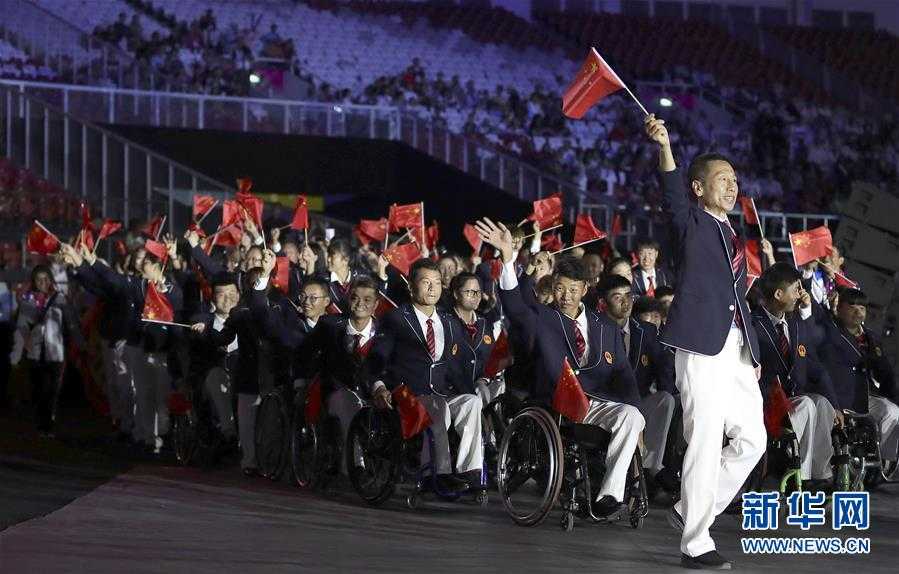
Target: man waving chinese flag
595 81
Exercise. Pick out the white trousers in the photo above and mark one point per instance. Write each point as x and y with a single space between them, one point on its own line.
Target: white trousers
119 387
719 394
217 387
247 405
886 413
490 390
464 413
658 410
812 421
344 404
624 422
152 386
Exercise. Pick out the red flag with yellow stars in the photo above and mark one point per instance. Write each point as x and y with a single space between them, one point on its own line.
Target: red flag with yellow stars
157 249
585 230
810 245
403 256
281 275
385 305
547 212
595 80
157 306
569 399
372 230
41 241
300 214
108 228
405 216
202 205
414 418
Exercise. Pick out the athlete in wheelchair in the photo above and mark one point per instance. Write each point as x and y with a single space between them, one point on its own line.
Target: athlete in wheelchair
866 449
593 465
420 393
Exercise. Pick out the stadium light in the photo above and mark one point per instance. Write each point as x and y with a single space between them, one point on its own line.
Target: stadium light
255 79
665 102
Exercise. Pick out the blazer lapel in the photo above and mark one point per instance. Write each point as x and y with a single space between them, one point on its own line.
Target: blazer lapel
770 332
597 331
636 329
449 336
412 321
568 332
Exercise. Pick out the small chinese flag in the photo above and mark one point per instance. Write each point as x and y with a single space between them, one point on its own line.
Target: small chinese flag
753 258
244 185
496 269
202 205
86 221
776 408
300 214
750 215
313 406
157 306
157 249
432 236
385 305
472 236
414 418
196 229
569 399
85 237
108 228
843 281
810 245
551 242
228 236
547 212
281 275
403 256
231 213
499 356
616 225
252 205
41 241
372 230
594 81
405 216
585 230
152 228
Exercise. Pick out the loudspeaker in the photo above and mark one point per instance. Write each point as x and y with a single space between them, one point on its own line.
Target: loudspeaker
874 207
876 284
865 244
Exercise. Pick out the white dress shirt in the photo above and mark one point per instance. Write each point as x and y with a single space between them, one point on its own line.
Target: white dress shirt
647 275
366 332
218 323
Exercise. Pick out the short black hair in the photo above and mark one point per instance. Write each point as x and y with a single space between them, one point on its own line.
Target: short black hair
778 276
571 268
362 282
460 279
341 246
664 291
422 264
699 167
611 282
648 244
646 304
224 279
853 297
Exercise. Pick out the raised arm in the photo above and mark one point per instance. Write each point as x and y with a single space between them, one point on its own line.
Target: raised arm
674 196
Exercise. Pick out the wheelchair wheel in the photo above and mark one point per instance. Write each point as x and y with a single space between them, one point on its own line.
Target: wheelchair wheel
531 466
272 436
373 454
305 445
184 438
638 496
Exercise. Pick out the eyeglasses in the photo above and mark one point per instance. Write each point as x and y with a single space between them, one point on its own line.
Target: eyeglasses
470 292
311 298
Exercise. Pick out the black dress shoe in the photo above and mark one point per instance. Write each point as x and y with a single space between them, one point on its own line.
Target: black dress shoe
250 472
449 484
667 480
708 561
606 506
472 478
676 520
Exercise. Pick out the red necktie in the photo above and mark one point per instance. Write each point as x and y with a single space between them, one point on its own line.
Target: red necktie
650 289
431 340
357 343
784 342
580 345
472 330
736 264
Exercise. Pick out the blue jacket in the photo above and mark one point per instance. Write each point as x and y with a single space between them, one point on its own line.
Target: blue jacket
651 361
399 355
708 294
607 375
853 372
803 373
328 351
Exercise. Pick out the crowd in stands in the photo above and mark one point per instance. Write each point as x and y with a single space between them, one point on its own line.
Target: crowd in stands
17 65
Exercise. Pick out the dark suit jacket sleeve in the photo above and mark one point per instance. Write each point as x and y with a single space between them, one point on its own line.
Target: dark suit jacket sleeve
381 352
675 202
113 282
662 363
528 286
882 371
623 375
521 317
821 378
209 266
87 278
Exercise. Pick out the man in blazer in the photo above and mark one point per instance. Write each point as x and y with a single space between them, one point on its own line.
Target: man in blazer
788 356
648 276
717 355
420 347
595 351
863 378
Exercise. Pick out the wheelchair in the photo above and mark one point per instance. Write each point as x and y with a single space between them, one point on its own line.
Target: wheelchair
856 460
545 459
193 434
378 458
286 440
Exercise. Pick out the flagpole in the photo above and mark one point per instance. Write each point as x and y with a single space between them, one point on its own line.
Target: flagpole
543 231
758 219
523 221
166 323
205 215
577 245
161 225
50 233
614 73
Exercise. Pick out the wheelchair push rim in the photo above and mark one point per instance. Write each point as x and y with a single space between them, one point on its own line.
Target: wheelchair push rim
530 467
373 436
272 436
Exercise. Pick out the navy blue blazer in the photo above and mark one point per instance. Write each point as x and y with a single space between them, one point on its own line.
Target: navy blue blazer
476 351
853 372
803 373
663 279
606 376
399 355
708 293
651 362
328 351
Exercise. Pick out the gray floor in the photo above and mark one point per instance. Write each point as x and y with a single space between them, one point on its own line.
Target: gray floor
167 520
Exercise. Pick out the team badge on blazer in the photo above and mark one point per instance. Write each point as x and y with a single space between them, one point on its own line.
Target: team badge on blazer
645 360
487 339
801 350
608 357
455 349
